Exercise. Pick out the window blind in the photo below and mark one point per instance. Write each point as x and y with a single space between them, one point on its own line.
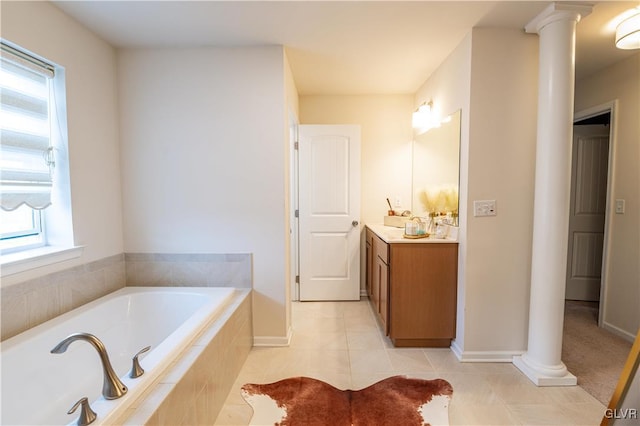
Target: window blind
26 156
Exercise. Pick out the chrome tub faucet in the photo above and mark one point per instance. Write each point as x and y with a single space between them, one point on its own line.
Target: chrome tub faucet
112 387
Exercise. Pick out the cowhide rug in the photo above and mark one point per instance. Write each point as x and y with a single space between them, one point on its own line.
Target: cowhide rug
302 401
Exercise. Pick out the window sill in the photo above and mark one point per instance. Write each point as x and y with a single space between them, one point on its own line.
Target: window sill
14 263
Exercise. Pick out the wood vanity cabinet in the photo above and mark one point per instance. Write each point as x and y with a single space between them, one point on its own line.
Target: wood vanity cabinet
412 288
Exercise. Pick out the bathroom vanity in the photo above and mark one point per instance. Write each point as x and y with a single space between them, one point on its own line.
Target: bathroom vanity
412 286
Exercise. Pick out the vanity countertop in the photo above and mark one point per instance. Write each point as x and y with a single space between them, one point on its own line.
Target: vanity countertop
392 235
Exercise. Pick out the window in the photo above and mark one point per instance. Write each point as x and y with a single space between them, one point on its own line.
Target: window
20 228
27 161
35 195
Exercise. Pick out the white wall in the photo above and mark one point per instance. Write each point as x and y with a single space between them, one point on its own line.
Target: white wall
92 121
501 165
621 82
203 161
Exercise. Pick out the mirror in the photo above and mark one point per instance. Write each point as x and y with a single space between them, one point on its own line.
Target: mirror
623 407
436 170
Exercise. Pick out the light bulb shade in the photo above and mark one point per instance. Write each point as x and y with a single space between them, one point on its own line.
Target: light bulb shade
628 33
416 120
422 117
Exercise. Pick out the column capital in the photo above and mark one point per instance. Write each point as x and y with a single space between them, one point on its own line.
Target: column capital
558 12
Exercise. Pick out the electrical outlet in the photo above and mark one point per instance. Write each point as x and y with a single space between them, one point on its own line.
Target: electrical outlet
484 208
619 206
397 203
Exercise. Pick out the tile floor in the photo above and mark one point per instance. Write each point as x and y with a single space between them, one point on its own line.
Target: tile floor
340 343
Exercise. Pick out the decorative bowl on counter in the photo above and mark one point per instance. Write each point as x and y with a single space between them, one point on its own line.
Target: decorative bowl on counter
415 228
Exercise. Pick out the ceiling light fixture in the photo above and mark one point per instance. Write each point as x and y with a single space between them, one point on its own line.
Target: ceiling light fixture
628 33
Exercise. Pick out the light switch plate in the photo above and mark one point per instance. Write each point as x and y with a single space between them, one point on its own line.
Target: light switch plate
619 206
484 208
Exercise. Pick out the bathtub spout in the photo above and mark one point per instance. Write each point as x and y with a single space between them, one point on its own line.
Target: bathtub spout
112 387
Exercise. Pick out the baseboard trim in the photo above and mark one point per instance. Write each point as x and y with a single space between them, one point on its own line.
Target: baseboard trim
273 341
483 356
618 331
456 349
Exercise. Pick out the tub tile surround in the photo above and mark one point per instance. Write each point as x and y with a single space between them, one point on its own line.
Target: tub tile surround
195 387
32 302
203 269
29 303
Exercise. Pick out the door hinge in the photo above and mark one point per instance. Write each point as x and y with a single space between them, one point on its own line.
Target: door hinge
295 146
297 279
296 213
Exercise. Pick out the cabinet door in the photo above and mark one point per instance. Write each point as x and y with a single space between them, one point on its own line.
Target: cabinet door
375 285
383 307
369 265
378 250
423 281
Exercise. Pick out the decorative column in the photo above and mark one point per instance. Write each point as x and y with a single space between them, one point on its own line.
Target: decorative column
556 26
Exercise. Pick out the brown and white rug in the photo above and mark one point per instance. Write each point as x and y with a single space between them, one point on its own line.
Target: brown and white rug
303 401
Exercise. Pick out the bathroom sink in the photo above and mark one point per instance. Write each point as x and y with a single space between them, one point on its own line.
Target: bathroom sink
393 234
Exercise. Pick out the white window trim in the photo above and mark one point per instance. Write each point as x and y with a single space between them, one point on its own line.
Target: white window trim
27 260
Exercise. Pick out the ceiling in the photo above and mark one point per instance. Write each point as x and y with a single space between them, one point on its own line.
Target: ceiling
340 47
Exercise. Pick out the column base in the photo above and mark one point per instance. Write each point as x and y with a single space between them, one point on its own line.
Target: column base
541 376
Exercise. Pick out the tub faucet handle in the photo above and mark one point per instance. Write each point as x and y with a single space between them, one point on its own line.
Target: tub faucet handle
87 415
136 369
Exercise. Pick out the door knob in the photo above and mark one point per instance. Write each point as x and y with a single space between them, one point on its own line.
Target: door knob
354 223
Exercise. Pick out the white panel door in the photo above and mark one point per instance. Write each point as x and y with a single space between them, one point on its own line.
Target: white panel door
589 173
329 204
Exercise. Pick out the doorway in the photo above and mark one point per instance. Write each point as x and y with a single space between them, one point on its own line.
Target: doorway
591 205
588 207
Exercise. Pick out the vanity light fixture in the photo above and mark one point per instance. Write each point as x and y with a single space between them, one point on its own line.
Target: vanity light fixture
628 33
424 117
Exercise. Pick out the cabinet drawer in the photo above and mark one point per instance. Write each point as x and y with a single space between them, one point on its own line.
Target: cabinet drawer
381 249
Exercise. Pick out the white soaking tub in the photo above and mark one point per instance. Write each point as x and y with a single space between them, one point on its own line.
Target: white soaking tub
38 387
